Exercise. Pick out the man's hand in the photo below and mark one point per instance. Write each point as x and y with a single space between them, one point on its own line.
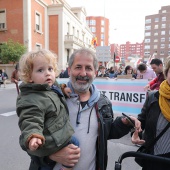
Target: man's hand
147 87
136 139
67 156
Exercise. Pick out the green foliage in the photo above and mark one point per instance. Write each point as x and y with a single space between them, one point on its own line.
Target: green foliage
11 51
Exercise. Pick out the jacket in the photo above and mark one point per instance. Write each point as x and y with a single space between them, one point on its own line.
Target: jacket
108 128
155 83
149 117
43 113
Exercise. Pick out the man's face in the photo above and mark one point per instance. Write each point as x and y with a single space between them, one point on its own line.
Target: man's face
157 69
82 73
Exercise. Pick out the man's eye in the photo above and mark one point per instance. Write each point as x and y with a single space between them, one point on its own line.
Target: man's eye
88 68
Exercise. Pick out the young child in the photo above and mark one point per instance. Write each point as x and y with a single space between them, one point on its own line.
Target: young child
41 106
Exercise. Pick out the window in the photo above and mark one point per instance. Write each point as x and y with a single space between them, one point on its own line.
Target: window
156 19
93 29
147 34
156 34
147 40
162 32
2 19
155 40
163 26
102 36
155 46
162 45
38 46
148 27
147 53
38 22
102 29
73 31
102 22
92 22
163 18
162 39
68 28
162 53
147 46
156 27
163 11
77 33
147 21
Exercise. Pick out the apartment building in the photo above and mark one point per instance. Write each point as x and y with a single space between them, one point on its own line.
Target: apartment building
131 50
157 34
100 29
49 24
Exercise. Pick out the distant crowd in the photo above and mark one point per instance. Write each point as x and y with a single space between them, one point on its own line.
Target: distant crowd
152 72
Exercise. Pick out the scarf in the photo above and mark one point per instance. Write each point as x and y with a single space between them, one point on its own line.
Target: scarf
164 101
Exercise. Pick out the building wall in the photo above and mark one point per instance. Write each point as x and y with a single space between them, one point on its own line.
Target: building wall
55 15
155 41
38 37
14 14
99 26
53 34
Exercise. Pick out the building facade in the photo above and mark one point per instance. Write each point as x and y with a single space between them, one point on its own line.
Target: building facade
49 24
100 29
157 34
131 50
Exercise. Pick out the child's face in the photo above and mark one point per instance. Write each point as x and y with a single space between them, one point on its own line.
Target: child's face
42 72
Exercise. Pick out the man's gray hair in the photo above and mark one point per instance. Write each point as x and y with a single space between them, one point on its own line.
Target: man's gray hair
86 52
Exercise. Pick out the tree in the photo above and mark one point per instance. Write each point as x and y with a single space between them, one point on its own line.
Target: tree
11 51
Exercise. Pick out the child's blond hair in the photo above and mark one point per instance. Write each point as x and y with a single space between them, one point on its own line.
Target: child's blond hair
26 63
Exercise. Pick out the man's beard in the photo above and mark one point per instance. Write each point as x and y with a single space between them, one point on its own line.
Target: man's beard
81 87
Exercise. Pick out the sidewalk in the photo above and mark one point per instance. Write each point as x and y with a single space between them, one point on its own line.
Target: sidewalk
8 86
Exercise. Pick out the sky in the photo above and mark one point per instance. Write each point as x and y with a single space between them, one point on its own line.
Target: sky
126 17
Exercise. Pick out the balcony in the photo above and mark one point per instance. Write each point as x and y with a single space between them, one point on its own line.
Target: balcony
72 41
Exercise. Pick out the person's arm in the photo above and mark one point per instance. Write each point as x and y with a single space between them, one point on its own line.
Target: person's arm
68 156
13 77
31 123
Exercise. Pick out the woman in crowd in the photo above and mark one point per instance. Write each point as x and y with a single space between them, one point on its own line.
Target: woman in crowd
129 71
154 117
111 72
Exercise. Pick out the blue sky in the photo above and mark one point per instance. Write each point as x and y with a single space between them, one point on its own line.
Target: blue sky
127 17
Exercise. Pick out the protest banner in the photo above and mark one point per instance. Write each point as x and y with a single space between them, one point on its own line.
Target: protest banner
126 95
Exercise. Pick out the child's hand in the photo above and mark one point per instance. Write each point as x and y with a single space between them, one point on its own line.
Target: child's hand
67 91
34 143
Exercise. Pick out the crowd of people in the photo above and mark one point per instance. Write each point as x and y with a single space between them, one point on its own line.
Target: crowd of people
60 124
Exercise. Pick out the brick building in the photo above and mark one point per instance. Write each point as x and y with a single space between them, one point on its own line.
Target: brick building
50 24
157 34
100 29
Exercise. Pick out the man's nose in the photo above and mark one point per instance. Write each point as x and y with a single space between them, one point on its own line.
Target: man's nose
83 72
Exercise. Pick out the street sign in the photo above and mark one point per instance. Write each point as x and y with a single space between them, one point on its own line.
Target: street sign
117 59
103 53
